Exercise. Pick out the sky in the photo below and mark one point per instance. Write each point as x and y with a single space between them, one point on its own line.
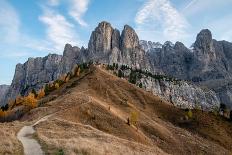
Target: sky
35 28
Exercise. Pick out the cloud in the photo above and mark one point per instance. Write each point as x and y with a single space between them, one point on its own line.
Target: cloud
13 40
159 17
201 6
59 30
77 10
54 2
9 23
221 30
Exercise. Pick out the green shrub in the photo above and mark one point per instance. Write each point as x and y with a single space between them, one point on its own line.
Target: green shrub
60 152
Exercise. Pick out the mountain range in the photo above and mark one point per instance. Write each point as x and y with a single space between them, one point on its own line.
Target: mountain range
205 69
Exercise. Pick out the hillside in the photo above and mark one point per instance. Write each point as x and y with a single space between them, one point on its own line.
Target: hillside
88 115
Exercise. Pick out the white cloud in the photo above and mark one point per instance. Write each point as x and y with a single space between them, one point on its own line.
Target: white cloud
201 6
77 10
54 2
13 40
59 30
9 23
159 17
220 30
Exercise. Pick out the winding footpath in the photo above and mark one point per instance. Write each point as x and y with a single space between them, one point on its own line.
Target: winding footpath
25 136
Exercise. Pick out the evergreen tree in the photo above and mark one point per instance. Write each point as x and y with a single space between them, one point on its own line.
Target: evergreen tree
231 115
120 73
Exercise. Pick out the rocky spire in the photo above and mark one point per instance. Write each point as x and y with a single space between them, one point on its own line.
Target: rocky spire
129 38
204 41
101 37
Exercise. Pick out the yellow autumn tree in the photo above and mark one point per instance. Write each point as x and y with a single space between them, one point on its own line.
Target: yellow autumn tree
30 100
134 118
41 94
57 85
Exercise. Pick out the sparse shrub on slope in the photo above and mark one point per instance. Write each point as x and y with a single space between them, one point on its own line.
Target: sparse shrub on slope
188 114
57 85
133 120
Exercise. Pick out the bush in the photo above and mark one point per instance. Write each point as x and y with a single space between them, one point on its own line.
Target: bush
133 118
188 114
5 107
60 152
120 73
133 77
222 107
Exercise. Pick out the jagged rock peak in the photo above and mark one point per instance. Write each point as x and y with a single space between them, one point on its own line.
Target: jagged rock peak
168 43
67 46
204 34
101 38
179 45
129 38
148 45
104 24
204 40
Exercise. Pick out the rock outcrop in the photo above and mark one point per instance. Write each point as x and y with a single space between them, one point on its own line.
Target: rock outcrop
181 94
106 45
3 91
209 61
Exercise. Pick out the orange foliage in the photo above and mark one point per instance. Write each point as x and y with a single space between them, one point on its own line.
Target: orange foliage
2 113
41 94
30 100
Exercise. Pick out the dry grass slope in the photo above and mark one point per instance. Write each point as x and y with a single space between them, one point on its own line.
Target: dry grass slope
91 114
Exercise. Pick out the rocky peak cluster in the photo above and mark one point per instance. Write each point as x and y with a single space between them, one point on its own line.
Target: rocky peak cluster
209 59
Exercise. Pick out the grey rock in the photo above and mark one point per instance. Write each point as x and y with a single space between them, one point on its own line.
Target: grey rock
69 58
209 61
3 91
181 93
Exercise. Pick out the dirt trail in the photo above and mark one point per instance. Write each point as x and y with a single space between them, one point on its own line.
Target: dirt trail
25 136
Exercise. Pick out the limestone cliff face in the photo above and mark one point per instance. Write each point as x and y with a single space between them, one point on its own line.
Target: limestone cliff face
208 63
69 59
181 94
34 74
106 45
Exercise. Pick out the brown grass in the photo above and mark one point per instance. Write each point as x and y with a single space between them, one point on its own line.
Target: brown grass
91 112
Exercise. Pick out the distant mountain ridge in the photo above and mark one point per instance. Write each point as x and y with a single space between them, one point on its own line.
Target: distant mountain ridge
208 60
